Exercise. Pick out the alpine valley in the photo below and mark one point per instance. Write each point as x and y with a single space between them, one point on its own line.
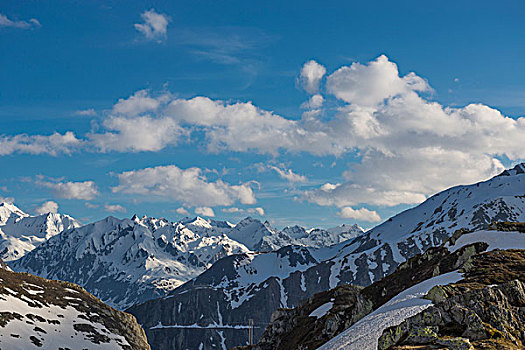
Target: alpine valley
196 283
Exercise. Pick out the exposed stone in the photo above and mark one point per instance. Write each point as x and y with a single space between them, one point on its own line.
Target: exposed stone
492 313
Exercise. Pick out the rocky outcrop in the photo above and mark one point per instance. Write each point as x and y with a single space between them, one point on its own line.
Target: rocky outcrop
298 329
319 319
488 318
40 313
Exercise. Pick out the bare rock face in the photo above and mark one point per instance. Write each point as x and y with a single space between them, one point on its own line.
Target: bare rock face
490 318
40 313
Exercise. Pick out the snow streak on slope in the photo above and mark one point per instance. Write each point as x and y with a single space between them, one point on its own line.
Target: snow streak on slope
495 240
364 334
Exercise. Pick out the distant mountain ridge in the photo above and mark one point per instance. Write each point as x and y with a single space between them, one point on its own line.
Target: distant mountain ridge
125 261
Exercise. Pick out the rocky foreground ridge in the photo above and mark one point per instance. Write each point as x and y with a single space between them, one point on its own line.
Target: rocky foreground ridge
38 313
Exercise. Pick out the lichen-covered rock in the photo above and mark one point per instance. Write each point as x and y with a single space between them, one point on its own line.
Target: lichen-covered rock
455 343
477 316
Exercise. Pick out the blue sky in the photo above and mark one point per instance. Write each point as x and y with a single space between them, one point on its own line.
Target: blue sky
172 108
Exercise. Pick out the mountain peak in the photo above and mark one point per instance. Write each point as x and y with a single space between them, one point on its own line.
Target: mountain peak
8 210
196 221
518 169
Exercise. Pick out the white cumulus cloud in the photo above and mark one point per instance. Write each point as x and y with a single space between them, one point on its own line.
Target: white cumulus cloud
86 190
39 144
182 211
47 207
311 75
205 211
362 214
315 101
115 208
188 186
368 85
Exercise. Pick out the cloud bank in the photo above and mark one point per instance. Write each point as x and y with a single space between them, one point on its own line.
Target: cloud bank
188 186
407 145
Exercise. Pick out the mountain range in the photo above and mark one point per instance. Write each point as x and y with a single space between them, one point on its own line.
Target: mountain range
128 261
253 286
196 283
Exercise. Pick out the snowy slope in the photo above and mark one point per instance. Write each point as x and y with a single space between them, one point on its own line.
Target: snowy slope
377 253
21 233
51 315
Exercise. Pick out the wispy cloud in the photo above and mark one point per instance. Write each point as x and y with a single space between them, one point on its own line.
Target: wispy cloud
288 174
86 112
224 45
155 26
6 22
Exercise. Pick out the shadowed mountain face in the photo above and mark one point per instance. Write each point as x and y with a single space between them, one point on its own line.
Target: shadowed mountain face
254 285
40 313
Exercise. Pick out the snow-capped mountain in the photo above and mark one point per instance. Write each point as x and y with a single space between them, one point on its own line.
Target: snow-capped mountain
39 313
261 237
254 285
127 261
20 233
